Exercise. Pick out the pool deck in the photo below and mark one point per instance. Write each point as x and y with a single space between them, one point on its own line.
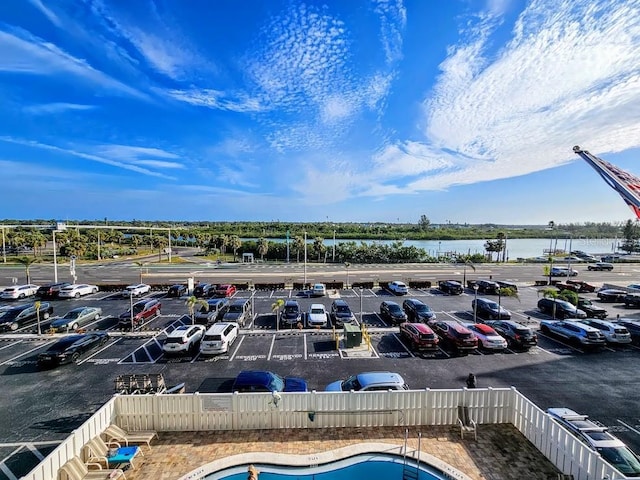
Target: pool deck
500 453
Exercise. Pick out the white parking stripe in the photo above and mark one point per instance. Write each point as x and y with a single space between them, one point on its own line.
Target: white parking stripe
26 353
403 345
304 337
11 344
7 472
628 426
101 350
233 355
273 341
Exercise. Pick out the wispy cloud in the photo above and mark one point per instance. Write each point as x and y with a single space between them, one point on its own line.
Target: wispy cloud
235 102
47 12
22 52
49 108
393 19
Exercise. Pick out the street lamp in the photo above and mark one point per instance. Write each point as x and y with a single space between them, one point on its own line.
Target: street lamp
334 247
131 307
475 303
347 265
55 258
305 260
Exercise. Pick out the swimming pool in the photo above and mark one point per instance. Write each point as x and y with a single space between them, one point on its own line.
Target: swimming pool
358 467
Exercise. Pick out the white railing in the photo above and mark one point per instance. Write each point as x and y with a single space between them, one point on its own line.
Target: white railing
204 412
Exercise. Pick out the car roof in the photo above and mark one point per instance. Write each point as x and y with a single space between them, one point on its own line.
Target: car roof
220 326
340 301
317 305
291 303
421 327
372 378
486 329
181 330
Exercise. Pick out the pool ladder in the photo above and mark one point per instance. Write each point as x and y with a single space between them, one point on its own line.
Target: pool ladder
410 472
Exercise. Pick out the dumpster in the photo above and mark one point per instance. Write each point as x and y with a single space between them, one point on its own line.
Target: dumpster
352 335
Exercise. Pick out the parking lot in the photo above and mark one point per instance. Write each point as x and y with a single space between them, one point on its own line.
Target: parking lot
52 402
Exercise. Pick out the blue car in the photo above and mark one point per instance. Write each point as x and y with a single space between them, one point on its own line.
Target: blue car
265 381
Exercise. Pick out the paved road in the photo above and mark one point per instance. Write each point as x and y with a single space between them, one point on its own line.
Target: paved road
38 408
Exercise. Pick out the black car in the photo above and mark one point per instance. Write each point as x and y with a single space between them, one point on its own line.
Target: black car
488 287
177 290
51 290
204 290
485 308
611 295
15 317
560 308
516 334
291 314
452 287
632 300
418 311
341 313
391 311
592 310
69 349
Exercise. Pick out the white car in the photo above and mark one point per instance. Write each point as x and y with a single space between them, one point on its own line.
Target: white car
319 290
488 338
613 332
136 290
19 291
317 315
183 339
398 288
219 338
77 290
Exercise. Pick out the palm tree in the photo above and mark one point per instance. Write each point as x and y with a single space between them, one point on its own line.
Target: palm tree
263 247
191 303
140 265
235 243
298 246
319 247
275 308
27 262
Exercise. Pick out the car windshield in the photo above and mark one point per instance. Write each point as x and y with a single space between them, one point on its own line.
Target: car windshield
276 383
8 314
395 308
345 309
623 459
421 307
291 310
351 383
317 310
235 309
73 314
138 307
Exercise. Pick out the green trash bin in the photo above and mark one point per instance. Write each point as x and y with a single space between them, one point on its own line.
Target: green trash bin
352 335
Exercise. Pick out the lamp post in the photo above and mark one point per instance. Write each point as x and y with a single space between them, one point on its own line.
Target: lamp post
55 258
305 260
475 303
361 291
347 265
334 247
131 307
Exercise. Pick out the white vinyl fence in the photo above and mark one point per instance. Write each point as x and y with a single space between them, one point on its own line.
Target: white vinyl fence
248 411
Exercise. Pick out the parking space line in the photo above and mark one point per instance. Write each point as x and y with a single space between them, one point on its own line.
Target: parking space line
403 345
273 341
35 451
628 426
561 343
6 470
101 350
440 348
195 357
304 338
233 355
11 344
26 353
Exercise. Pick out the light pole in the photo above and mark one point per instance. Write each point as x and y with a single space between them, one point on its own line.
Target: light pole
439 244
169 236
55 258
131 307
475 303
305 260
347 265
334 247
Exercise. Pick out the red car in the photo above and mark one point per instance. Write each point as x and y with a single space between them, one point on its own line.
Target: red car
457 336
142 311
225 290
419 336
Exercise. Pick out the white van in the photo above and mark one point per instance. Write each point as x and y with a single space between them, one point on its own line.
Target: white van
219 338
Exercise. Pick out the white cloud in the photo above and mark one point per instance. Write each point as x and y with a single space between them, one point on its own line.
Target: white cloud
49 108
47 12
217 99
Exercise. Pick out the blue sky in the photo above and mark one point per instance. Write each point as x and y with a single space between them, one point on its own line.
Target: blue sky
465 111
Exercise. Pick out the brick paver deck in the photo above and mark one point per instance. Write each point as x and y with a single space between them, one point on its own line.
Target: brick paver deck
500 453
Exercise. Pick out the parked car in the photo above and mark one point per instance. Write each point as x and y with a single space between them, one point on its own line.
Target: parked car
557 308
572 259
634 287
291 314
77 290
341 313
418 311
592 310
517 335
488 287
485 308
455 335
203 290
563 272
183 339
574 332
68 349
598 438
177 290
582 287
369 381
613 332
12 318
488 338
633 326
419 336
265 381
600 266
214 311
611 295
142 311
392 312
219 337
225 290
451 287
611 258
76 318
318 290
317 315
632 300
51 290
136 290
239 311
19 291
398 288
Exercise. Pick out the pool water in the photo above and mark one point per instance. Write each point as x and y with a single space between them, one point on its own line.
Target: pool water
363 467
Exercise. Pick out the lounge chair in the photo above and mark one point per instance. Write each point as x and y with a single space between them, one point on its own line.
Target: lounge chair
112 454
115 433
467 424
76 469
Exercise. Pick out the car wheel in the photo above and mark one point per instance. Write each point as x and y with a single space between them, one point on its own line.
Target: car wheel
75 357
74 326
95 290
45 315
97 317
78 295
14 327
21 295
544 329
